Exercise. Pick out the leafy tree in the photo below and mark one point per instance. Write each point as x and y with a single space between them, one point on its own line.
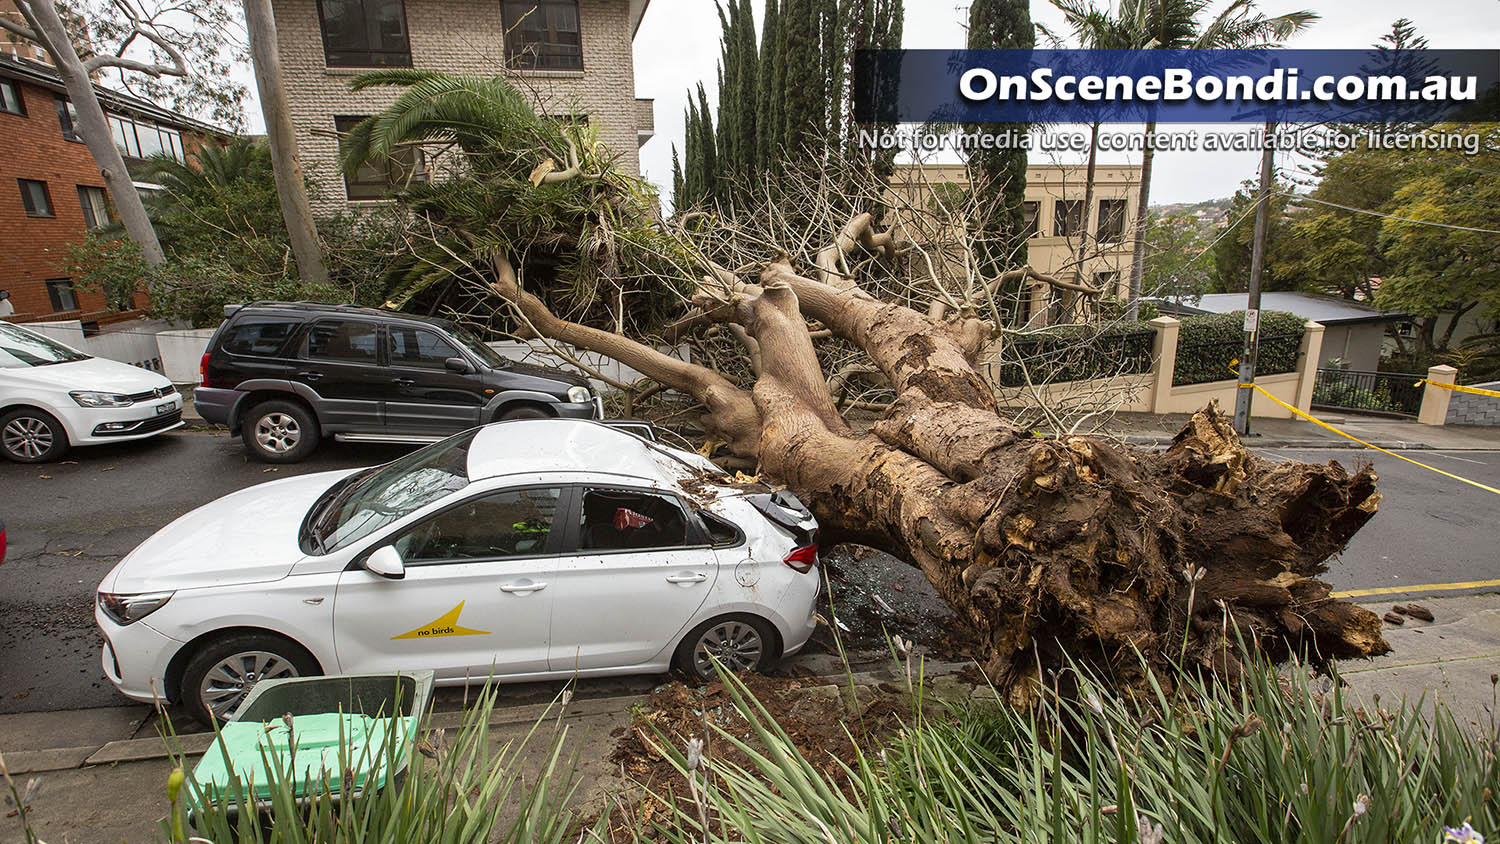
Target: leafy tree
1176 263
1001 25
1232 252
188 42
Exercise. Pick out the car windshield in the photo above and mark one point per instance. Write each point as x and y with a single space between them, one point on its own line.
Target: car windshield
491 358
19 347
380 496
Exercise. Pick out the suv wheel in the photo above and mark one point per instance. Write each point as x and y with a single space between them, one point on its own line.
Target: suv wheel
221 674
280 431
32 436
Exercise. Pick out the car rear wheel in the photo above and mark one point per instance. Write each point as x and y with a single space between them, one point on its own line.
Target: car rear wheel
32 436
221 674
738 642
280 431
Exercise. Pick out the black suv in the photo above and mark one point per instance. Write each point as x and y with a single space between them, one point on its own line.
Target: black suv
285 374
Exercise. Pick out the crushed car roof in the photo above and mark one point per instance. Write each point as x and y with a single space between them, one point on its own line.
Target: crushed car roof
525 446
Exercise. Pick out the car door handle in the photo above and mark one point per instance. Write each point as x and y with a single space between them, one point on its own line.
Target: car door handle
311 376
695 577
523 587
405 382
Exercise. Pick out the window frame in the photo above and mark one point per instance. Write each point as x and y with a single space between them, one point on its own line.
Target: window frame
516 53
20 98
283 352
418 165
694 535
366 53
29 205
1035 228
390 348
66 119
1060 215
305 344
90 214
554 548
1114 235
52 285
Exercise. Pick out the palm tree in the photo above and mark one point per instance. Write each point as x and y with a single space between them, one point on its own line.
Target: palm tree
1172 25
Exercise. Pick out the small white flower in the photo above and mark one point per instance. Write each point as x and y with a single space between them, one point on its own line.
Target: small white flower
694 753
1462 835
1361 805
1149 833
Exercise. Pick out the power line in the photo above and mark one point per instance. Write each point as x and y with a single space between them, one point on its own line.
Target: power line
1298 198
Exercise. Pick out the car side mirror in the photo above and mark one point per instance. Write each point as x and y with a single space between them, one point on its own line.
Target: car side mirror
386 562
458 365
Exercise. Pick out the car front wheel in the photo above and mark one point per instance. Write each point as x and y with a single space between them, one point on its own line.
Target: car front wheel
739 643
280 431
31 436
221 674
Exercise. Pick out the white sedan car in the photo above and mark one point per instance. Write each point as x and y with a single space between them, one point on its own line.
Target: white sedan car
53 397
522 550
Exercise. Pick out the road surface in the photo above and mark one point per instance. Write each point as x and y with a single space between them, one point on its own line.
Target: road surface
70 522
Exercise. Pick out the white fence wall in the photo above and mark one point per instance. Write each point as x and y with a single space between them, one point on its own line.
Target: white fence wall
134 348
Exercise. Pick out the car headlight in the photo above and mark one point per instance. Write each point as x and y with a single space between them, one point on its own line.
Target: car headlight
87 398
128 609
578 395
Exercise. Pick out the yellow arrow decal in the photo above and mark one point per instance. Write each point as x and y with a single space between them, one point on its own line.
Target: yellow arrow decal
445 625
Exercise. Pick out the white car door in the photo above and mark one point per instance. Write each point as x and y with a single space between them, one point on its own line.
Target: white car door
476 598
634 577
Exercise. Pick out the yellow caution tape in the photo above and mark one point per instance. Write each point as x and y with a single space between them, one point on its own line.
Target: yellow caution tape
1309 417
1459 387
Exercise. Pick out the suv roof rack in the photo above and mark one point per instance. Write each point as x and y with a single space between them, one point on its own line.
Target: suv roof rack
326 307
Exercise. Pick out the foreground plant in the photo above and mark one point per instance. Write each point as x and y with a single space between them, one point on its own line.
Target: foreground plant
1270 758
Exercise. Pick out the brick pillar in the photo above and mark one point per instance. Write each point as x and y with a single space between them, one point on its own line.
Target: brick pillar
1164 361
1435 399
1307 365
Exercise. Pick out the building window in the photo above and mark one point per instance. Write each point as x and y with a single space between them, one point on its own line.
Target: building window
67 119
1111 220
542 34
95 206
1067 217
364 33
139 139
377 180
35 197
10 98
60 291
1030 211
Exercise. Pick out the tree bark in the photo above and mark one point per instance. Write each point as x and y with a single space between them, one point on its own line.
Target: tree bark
1051 549
286 165
1142 210
94 127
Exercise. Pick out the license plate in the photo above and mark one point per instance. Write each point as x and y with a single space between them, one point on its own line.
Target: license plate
163 409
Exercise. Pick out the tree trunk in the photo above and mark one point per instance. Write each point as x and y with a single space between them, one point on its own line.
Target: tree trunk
1051 549
286 165
94 129
1142 209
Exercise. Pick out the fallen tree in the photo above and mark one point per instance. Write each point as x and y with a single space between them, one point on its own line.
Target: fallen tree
1048 547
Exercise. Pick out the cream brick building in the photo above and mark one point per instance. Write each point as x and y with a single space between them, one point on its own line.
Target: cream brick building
1054 208
573 57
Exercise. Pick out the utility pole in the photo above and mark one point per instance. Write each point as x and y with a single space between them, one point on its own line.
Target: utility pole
1252 305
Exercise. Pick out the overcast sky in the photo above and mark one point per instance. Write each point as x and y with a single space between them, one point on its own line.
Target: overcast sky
678 46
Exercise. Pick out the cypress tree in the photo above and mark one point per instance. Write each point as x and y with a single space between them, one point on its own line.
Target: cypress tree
767 93
746 91
804 89
1002 25
678 194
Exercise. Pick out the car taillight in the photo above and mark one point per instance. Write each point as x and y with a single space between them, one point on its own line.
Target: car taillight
802 559
203 370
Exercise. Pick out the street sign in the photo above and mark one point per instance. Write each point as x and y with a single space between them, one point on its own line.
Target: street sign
1252 320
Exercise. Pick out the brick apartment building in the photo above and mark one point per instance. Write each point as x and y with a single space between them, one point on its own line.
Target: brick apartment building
51 192
573 57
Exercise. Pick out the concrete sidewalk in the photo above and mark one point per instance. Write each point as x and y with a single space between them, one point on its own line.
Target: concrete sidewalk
1148 429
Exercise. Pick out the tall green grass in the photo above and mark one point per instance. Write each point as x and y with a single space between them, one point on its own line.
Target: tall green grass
1271 758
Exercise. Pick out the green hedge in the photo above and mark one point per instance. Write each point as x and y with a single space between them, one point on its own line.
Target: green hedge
1208 345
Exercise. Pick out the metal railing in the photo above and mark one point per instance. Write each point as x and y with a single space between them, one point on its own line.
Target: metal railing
1378 392
1048 360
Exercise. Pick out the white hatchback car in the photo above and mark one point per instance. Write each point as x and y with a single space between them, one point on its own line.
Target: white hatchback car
53 397
522 550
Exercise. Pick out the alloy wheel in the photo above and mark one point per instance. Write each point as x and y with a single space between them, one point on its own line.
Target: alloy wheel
228 683
27 437
735 644
278 433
